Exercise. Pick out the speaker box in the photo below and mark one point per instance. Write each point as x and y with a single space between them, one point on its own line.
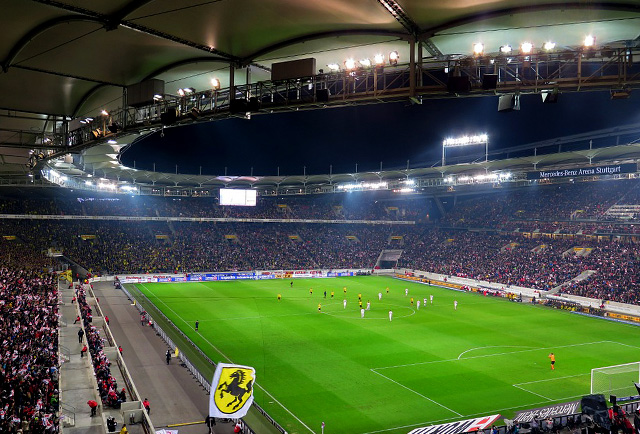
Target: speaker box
489 81
459 84
322 95
238 105
169 117
507 103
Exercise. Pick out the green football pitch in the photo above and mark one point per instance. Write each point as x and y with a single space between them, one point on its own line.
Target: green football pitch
371 375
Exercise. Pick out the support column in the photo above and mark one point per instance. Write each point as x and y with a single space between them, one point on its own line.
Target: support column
412 68
232 85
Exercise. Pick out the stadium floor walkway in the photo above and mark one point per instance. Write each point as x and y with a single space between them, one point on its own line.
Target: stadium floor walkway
175 396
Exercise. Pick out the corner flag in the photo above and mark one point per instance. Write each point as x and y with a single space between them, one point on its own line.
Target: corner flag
231 391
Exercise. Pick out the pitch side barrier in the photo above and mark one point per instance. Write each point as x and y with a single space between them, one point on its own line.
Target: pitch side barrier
197 219
191 367
238 275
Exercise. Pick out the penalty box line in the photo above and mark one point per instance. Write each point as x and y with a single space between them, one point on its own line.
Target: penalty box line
229 359
417 393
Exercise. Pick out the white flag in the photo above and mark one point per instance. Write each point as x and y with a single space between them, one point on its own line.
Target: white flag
231 391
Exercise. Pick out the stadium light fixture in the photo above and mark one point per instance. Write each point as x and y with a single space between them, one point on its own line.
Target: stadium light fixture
548 46
393 58
104 112
478 139
505 49
189 90
526 48
365 63
333 67
478 49
215 83
157 97
350 64
379 59
181 92
589 41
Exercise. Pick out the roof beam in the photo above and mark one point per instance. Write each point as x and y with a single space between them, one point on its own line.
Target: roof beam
321 35
179 63
65 75
111 22
485 15
39 29
394 8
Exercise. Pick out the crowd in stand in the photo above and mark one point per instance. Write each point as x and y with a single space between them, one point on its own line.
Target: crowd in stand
500 254
503 208
332 207
29 397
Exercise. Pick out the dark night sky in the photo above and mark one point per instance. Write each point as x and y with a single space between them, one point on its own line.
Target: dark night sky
391 133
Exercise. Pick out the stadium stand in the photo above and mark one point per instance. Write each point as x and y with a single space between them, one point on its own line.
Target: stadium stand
29 399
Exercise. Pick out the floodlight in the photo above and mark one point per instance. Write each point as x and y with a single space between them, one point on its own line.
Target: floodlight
215 83
526 48
393 58
350 64
333 67
189 90
365 63
478 48
104 112
505 49
548 46
157 97
589 41
181 92
88 120
379 59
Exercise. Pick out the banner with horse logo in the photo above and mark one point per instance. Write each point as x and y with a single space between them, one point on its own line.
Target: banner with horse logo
231 391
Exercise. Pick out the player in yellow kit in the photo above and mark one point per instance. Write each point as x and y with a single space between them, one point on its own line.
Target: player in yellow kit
553 361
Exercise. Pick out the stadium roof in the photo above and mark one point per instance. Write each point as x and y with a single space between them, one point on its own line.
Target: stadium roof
66 59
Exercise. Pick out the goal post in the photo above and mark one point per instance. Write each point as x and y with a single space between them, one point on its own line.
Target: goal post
616 380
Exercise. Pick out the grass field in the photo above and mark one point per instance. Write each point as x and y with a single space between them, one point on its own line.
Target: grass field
428 365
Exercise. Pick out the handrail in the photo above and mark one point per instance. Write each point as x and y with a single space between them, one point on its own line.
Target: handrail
68 414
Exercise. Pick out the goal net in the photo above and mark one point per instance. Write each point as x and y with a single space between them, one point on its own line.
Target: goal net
616 380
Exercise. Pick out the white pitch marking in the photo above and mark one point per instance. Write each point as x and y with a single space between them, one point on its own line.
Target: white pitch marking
491 355
229 359
553 379
494 346
529 391
417 393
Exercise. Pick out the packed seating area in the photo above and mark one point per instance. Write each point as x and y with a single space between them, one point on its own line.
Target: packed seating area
509 208
331 207
29 398
511 250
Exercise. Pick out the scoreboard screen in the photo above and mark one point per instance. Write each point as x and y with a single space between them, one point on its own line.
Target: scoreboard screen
237 197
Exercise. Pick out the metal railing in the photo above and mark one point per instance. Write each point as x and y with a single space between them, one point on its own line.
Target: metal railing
68 415
64 354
